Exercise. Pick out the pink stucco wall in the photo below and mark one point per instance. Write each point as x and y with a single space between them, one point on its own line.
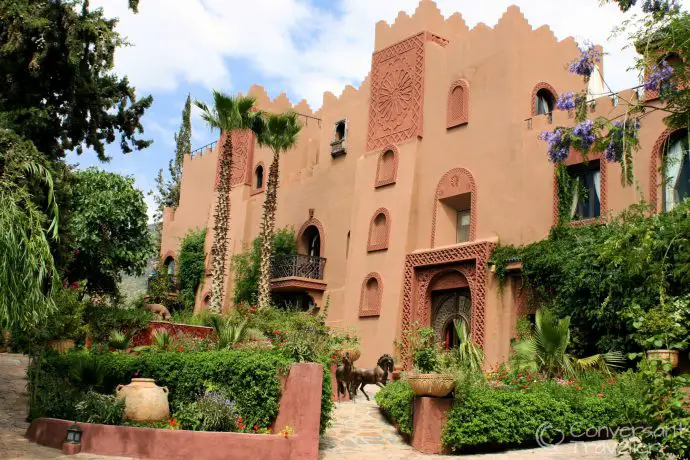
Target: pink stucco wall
502 160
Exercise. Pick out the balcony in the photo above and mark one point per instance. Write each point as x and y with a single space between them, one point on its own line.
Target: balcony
297 272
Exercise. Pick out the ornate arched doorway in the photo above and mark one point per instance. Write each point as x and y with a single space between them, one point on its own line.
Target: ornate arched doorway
448 306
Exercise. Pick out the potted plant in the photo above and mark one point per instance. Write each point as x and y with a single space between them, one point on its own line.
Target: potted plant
427 378
662 331
341 342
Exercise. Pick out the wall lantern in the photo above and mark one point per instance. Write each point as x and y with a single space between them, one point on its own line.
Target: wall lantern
73 434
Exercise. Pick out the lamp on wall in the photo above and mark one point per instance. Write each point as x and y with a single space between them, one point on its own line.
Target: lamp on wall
73 434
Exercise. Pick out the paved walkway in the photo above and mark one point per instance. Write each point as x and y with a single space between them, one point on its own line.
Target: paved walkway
359 431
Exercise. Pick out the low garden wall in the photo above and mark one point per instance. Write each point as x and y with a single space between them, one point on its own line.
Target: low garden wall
299 413
145 337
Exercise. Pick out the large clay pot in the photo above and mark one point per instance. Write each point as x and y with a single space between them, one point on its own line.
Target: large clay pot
355 353
665 356
61 345
436 385
144 400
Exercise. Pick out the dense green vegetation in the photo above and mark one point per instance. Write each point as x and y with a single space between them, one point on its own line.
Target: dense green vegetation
191 260
396 400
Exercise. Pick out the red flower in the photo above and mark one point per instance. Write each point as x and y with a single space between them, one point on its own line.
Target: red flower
256 427
520 374
270 428
180 348
240 419
525 386
578 387
276 332
173 422
241 426
601 395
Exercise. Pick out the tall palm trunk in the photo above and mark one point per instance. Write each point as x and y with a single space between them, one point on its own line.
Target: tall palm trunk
268 224
221 226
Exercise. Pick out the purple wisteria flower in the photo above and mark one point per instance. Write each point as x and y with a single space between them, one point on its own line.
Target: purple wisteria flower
585 134
660 6
559 144
566 101
614 151
660 75
584 65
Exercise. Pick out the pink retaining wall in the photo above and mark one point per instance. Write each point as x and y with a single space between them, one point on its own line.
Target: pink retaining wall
145 337
300 409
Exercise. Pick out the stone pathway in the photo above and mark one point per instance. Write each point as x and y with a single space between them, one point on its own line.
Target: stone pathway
359 431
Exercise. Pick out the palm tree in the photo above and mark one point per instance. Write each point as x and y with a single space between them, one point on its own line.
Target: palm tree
280 134
546 350
228 113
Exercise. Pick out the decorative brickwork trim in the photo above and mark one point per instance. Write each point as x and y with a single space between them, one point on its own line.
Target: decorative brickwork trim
319 226
537 88
458 103
655 179
457 181
256 191
370 302
421 268
575 158
242 157
379 236
386 173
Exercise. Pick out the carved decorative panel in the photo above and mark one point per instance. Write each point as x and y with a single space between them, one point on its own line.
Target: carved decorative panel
242 157
458 103
387 166
370 297
379 230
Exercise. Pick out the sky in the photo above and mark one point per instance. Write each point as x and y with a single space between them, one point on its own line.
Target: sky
180 47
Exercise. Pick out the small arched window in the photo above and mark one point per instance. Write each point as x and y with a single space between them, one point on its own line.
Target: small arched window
169 266
340 130
370 298
259 177
387 168
458 104
545 102
676 171
379 231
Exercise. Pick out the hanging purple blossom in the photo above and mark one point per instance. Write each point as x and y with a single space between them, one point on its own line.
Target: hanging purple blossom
614 151
584 65
660 74
660 6
559 144
584 132
566 101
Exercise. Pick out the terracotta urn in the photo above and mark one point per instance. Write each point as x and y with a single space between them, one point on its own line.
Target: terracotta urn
436 385
665 356
61 345
144 400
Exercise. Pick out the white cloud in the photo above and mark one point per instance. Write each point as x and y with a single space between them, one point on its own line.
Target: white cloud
309 51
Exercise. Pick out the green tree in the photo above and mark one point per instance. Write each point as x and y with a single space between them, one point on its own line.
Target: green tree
191 265
248 264
227 114
169 191
57 87
27 269
280 134
110 235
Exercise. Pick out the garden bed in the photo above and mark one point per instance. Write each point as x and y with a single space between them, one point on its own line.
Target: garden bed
145 337
297 426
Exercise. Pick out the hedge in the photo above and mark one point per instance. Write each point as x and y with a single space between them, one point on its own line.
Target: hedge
395 399
489 418
57 381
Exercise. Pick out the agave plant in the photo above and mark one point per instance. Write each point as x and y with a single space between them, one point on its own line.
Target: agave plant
546 350
162 339
229 332
118 340
468 353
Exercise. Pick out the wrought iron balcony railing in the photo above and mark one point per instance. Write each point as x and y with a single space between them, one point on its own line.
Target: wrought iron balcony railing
297 265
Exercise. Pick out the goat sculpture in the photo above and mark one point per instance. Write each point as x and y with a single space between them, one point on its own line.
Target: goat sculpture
376 376
343 375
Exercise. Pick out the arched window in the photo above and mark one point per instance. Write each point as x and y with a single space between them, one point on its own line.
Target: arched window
259 177
458 104
312 241
169 265
370 298
455 209
676 171
379 230
544 102
387 168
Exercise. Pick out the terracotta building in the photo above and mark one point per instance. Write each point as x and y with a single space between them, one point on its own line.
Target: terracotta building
400 189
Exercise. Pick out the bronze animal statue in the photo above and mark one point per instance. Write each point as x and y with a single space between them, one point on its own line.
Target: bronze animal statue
159 310
376 376
343 375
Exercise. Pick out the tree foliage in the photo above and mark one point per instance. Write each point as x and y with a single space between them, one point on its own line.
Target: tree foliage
27 269
57 87
191 265
109 230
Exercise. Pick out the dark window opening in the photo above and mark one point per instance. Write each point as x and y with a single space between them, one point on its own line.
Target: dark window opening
170 266
586 202
340 131
545 102
259 173
312 241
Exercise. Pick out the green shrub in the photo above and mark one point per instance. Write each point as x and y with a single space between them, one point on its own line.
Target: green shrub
104 319
251 380
212 411
488 418
396 400
191 265
99 408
